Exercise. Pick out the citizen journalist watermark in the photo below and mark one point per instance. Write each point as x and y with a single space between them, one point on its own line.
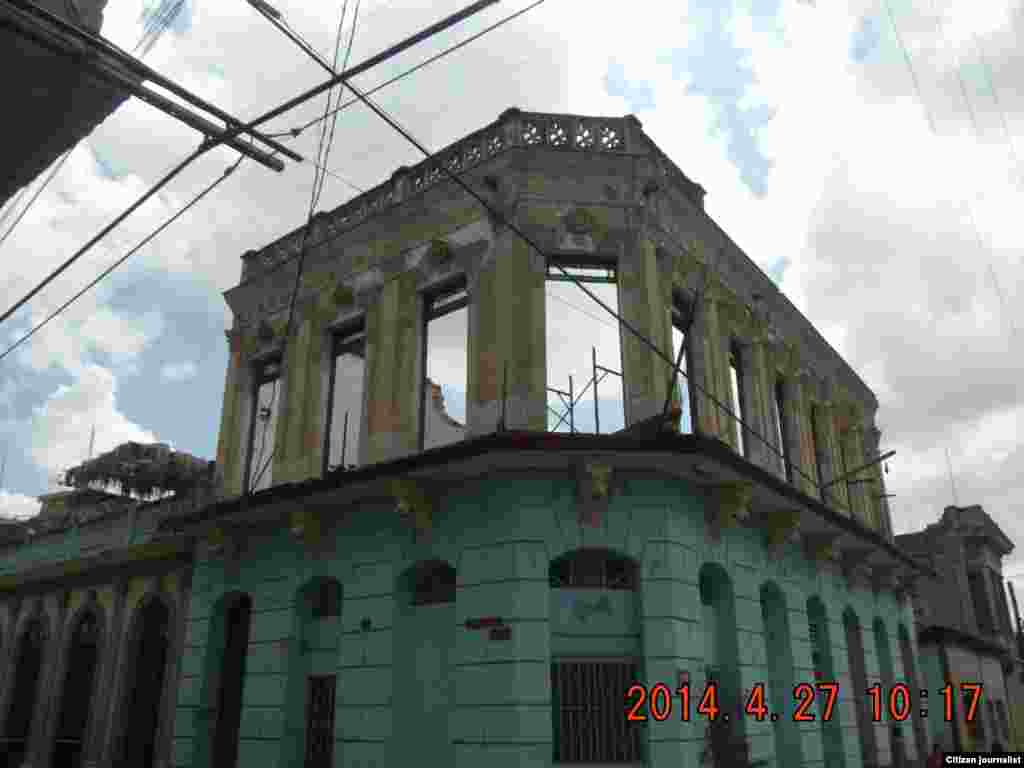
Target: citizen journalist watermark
979 758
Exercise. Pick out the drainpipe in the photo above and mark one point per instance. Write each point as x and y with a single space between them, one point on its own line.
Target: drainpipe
1019 634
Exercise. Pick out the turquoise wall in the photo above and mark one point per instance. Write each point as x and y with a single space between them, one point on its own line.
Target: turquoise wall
415 686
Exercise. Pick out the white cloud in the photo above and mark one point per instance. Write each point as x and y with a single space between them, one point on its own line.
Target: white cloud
17 506
62 426
182 371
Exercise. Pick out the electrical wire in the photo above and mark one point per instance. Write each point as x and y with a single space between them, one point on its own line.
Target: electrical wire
39 326
106 230
983 247
457 178
323 147
237 130
49 177
425 63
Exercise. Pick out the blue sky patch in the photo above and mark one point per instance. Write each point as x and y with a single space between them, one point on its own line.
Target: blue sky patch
865 38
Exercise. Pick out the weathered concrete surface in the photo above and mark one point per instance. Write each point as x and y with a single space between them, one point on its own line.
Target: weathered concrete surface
56 102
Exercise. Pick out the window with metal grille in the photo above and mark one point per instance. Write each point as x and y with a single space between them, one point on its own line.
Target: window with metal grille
593 569
345 399
588 711
434 585
326 599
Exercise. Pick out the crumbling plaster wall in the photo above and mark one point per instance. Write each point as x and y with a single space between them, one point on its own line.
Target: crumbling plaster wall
632 213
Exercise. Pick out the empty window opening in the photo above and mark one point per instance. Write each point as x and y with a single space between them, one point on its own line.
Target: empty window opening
584 349
325 599
781 431
589 723
266 401
434 584
445 338
236 617
593 569
737 399
680 322
345 399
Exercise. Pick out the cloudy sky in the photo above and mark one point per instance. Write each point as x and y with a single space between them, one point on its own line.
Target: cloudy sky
866 153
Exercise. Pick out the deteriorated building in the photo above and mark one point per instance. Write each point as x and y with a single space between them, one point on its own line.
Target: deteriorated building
425 551
965 633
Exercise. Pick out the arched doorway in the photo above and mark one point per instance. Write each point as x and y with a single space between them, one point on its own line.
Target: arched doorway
724 740
859 680
424 641
779 652
236 617
22 706
887 672
824 671
913 680
147 660
77 691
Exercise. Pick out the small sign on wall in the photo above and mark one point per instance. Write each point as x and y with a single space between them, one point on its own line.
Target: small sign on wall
501 633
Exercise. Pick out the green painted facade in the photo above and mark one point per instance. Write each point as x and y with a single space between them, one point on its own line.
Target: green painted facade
415 685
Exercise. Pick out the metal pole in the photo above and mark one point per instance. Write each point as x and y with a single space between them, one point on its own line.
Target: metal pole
597 417
503 424
344 439
845 475
572 423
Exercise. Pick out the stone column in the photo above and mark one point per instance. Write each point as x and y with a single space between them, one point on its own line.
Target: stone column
794 434
50 683
180 583
298 444
102 739
873 437
230 452
858 490
705 351
827 454
757 398
642 303
507 338
394 375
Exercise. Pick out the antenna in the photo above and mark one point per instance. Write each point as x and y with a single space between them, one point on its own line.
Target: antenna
92 441
952 482
3 465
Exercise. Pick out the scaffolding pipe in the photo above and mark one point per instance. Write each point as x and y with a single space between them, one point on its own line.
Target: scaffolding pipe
597 418
572 422
344 439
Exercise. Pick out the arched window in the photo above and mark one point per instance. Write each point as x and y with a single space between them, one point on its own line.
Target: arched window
325 599
433 584
593 569
77 692
236 617
824 670
148 650
859 678
779 652
23 700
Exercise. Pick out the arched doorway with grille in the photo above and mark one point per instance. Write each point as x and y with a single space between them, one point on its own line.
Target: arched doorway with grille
779 653
145 677
79 685
824 668
24 697
596 655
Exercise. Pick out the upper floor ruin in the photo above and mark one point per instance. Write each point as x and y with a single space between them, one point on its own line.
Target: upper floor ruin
416 259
